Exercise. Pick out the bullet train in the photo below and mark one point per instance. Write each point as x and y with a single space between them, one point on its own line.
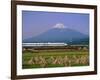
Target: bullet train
42 44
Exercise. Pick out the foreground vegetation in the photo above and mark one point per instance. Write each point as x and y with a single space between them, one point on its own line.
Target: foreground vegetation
44 59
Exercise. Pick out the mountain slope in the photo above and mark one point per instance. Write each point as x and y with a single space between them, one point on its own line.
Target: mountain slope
59 35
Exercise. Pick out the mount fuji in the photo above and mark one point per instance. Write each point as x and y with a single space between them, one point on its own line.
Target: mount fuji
59 33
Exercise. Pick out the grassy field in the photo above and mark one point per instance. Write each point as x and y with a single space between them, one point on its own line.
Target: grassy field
45 59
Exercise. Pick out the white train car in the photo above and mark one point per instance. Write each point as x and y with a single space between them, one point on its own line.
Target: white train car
42 44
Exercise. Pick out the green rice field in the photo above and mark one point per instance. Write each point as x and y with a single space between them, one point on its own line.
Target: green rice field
48 59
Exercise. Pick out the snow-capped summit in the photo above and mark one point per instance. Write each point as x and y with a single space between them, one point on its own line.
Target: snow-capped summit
59 26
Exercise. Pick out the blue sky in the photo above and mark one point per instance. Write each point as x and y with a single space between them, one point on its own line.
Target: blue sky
37 22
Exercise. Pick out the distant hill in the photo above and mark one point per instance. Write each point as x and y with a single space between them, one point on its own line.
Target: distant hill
65 35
